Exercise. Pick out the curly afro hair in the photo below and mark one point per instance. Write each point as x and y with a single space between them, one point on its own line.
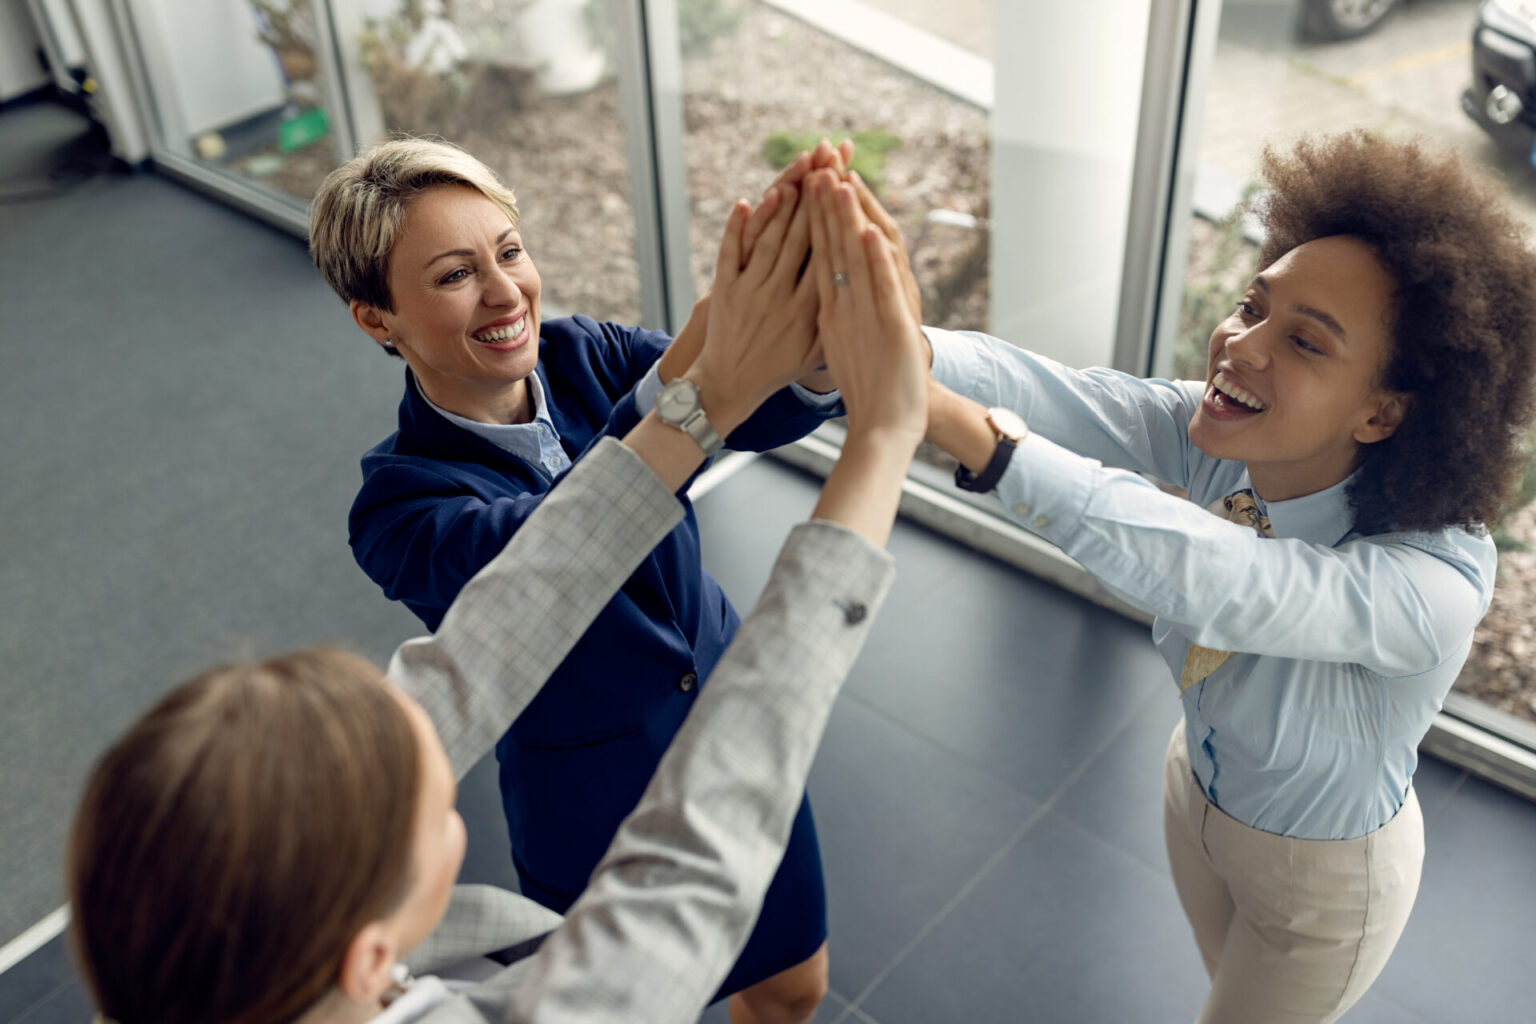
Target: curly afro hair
1463 327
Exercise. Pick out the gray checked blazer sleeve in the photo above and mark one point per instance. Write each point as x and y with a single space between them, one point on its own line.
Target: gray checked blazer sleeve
674 899
512 624
518 618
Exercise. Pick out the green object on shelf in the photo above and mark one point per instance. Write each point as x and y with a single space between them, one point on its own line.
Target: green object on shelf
302 129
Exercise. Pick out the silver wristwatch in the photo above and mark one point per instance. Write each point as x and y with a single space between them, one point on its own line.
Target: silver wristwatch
679 404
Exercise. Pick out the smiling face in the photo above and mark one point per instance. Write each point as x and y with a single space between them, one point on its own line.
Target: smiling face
466 305
1291 378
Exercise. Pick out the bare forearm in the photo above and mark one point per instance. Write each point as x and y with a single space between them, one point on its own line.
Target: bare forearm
864 487
959 426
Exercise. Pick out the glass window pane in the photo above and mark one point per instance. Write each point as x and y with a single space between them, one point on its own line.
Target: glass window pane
761 84
529 89
235 86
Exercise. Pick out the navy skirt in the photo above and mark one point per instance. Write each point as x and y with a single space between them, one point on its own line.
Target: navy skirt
793 923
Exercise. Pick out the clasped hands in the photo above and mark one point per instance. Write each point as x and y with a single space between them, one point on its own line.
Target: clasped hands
812 285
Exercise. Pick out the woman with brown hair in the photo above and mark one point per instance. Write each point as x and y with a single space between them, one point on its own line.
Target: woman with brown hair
269 841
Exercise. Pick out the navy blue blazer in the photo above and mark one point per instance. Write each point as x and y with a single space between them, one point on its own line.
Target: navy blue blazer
438 503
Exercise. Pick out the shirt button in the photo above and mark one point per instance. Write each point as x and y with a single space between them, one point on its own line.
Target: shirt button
687 681
854 613
1021 509
1041 521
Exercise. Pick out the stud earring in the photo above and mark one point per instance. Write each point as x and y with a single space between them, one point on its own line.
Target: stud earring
389 342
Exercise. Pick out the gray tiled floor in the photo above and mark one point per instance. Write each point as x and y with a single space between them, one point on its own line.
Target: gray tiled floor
987 790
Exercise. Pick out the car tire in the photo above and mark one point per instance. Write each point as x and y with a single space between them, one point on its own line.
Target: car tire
1343 19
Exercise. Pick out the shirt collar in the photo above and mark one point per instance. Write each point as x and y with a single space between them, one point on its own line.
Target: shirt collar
1323 517
521 439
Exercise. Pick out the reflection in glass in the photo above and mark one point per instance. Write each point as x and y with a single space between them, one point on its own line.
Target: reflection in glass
528 88
236 87
761 84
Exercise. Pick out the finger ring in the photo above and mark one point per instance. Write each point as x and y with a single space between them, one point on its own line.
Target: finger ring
840 278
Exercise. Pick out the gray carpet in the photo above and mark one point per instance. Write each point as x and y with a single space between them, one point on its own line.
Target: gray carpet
185 404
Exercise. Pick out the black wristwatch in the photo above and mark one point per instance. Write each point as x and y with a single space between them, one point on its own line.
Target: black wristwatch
1010 429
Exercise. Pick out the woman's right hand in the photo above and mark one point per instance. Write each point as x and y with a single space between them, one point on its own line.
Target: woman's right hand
761 332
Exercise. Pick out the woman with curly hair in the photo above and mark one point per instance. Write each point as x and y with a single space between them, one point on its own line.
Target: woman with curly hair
1359 421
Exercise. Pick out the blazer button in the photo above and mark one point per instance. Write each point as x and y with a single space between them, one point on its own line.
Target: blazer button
687 681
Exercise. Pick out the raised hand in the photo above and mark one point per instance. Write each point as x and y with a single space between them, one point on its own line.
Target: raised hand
824 156
892 231
870 335
761 315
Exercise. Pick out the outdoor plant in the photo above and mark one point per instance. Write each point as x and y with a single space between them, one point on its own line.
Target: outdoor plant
1524 495
701 22
869 150
1221 260
441 96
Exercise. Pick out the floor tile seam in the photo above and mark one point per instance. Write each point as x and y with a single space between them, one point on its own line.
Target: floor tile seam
1039 814
1451 793
43 1000
959 896
1414 1017
1155 865
939 745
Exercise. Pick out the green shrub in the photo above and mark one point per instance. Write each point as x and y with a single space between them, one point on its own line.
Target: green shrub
869 150
700 22
1212 288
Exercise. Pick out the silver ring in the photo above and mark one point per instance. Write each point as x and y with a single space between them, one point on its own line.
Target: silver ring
839 278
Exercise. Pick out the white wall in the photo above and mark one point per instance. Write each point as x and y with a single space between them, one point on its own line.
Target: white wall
206 62
19 69
1068 89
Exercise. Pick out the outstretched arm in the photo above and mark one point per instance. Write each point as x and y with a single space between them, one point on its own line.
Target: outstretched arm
673 901
514 622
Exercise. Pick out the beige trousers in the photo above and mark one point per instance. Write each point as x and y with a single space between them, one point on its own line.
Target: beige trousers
1291 930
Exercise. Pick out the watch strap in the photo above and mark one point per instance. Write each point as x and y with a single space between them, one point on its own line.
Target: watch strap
698 427
988 478
693 422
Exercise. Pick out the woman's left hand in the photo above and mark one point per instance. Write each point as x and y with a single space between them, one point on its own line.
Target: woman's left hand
873 342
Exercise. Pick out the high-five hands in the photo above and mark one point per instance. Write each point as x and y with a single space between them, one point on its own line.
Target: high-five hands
870 333
875 350
761 326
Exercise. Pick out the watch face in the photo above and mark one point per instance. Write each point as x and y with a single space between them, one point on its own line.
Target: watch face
1007 422
676 401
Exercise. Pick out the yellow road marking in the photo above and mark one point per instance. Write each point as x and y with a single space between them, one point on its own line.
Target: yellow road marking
1412 62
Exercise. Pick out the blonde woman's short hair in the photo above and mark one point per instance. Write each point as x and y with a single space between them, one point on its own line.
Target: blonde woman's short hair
356 214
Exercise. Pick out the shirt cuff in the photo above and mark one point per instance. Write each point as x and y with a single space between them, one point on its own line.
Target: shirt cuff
1046 488
813 400
956 363
647 390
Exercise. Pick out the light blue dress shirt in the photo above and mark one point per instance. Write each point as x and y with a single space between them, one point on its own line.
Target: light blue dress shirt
1347 645
536 441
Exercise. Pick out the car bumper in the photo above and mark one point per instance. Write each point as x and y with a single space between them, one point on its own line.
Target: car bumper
1503 54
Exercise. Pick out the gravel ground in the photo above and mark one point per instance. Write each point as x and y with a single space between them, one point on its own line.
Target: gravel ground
566 156
1502 669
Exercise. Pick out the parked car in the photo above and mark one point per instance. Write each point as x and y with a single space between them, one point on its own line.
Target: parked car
1343 19
1502 96
1270 22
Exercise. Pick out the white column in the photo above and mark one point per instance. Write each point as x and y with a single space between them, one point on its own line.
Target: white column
1064 130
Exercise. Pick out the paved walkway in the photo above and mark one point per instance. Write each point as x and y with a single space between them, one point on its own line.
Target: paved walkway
1406 78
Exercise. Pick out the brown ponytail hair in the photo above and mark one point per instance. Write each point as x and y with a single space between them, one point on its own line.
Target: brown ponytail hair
231 845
